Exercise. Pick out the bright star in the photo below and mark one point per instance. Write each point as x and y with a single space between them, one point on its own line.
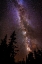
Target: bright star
24 33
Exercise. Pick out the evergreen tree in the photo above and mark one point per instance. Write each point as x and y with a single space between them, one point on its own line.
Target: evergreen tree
3 49
38 56
12 48
23 61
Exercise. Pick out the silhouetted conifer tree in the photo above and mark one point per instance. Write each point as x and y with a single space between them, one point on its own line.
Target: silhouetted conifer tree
3 49
12 48
30 57
38 56
26 59
23 61
36 59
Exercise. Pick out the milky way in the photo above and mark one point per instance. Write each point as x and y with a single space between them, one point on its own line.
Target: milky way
24 17
29 42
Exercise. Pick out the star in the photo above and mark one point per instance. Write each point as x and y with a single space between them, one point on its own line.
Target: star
24 33
28 49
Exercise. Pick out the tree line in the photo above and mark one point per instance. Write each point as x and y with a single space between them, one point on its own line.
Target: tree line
9 51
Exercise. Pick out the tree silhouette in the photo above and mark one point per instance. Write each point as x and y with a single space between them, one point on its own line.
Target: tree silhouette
30 58
37 58
8 52
3 49
12 48
23 61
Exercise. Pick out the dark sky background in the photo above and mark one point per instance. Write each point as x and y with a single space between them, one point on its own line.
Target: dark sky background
9 21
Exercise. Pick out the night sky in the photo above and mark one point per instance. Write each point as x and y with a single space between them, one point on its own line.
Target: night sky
25 17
